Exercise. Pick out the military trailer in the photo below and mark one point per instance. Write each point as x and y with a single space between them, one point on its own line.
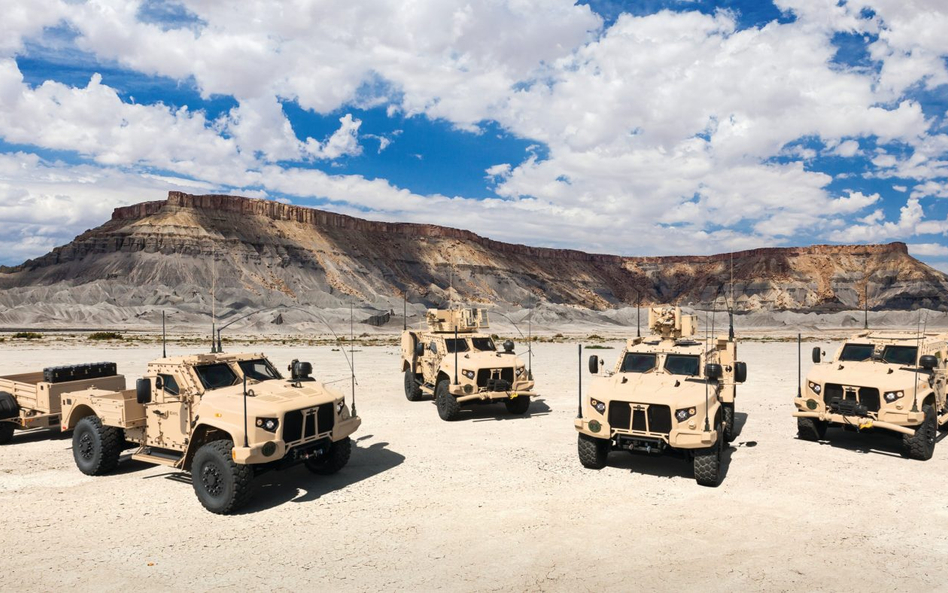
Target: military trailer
668 393
33 400
893 382
458 364
222 417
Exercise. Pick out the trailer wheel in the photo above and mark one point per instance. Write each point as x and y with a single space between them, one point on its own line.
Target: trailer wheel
728 422
811 429
518 406
6 432
921 445
593 452
448 406
95 447
334 460
221 484
707 462
412 388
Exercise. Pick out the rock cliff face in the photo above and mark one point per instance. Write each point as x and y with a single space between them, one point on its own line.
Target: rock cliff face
263 253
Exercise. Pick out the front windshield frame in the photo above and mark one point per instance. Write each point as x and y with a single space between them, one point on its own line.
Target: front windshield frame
203 376
909 360
679 362
450 344
853 352
273 374
633 362
485 341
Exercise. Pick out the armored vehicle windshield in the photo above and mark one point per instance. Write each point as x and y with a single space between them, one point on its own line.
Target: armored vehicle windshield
216 376
856 352
459 345
904 355
682 364
484 344
259 370
638 362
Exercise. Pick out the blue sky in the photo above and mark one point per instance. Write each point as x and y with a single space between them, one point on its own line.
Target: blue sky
639 128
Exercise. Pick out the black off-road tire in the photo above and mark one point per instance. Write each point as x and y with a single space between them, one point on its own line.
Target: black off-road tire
448 406
6 432
707 462
728 410
811 429
221 484
593 452
412 388
96 448
334 460
517 406
921 445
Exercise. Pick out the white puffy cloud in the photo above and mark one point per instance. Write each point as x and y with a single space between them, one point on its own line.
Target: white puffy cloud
343 142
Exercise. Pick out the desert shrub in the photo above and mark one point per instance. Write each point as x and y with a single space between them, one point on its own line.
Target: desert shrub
597 347
594 337
27 336
105 336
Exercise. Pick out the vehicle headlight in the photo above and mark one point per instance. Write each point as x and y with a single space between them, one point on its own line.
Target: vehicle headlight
339 406
891 396
468 374
521 371
268 424
815 388
685 413
597 405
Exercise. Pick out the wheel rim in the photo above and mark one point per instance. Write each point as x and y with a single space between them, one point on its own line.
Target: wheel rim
86 446
212 480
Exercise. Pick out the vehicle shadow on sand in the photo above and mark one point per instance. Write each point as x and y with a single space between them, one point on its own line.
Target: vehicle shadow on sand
498 412
21 437
876 442
665 466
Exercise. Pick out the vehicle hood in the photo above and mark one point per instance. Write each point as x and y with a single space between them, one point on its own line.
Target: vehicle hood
473 361
866 374
651 388
271 397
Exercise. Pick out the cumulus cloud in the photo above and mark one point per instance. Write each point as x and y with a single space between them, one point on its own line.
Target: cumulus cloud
343 142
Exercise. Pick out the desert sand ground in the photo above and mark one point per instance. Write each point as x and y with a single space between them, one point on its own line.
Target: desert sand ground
489 502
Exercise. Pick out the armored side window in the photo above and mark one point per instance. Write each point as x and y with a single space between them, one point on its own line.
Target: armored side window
484 344
905 355
215 376
459 345
856 352
637 362
170 385
682 364
258 370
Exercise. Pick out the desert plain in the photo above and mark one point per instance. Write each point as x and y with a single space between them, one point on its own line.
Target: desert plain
487 503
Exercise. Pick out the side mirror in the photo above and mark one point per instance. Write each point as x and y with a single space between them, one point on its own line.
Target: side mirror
928 362
713 371
740 372
301 371
508 346
419 349
817 355
143 391
159 383
594 364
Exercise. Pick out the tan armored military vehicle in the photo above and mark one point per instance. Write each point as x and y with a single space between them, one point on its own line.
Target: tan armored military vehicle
33 400
888 381
222 417
667 393
458 364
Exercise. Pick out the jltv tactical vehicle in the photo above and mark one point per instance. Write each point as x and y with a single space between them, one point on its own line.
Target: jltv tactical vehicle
33 400
667 393
889 381
458 364
222 417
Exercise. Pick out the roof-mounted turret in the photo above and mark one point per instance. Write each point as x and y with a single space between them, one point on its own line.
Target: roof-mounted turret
670 323
462 320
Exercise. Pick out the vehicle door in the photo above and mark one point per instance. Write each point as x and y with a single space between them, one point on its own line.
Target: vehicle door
167 415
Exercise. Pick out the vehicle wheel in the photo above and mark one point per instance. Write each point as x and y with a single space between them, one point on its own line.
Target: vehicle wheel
448 406
222 485
96 448
6 432
412 388
921 445
811 429
334 460
518 406
593 452
707 463
728 422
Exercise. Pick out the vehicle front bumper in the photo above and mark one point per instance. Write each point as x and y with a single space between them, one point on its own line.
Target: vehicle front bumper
904 422
678 438
254 454
518 389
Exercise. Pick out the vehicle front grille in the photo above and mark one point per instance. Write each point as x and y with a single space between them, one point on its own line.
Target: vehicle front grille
484 376
299 425
652 418
866 396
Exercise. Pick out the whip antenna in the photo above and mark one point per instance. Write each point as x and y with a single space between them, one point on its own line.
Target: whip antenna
164 342
918 351
579 413
352 359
